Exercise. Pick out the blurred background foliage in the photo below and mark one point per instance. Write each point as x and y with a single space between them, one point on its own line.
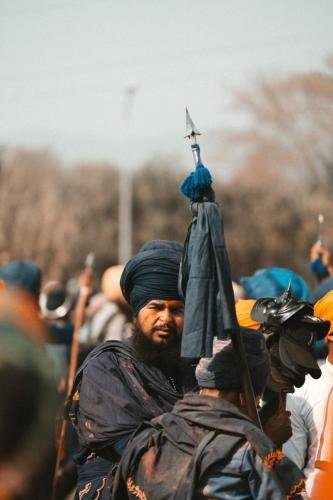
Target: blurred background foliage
282 178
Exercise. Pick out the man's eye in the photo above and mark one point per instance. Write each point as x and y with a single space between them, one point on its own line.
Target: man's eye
178 311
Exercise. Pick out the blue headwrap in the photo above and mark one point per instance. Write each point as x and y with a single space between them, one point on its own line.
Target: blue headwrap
272 282
152 274
223 372
22 274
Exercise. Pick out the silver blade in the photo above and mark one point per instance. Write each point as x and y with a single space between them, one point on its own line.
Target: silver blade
320 228
191 129
90 260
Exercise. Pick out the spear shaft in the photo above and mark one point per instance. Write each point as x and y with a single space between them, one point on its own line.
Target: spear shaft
235 334
320 228
79 316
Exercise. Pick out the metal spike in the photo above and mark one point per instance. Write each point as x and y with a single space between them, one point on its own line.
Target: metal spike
320 228
191 129
289 290
287 294
90 260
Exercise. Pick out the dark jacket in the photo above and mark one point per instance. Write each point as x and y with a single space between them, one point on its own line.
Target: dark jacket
204 448
114 392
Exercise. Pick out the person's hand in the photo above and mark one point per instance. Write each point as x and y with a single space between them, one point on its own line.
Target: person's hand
319 251
320 261
278 426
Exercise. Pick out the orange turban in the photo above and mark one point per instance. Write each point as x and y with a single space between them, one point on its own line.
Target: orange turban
323 308
243 312
111 284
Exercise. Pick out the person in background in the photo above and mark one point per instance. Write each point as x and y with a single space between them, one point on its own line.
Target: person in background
22 275
28 404
322 267
312 439
272 282
55 307
108 315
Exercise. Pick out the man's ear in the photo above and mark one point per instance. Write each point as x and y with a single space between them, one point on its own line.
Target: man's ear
2 286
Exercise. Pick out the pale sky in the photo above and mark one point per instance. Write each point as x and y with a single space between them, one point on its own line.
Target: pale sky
66 65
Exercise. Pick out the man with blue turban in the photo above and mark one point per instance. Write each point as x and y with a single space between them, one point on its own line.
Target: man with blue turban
122 384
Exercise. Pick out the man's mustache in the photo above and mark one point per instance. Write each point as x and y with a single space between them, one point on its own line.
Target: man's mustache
165 328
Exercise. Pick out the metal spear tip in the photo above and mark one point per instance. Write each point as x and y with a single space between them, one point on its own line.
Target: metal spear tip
191 129
90 260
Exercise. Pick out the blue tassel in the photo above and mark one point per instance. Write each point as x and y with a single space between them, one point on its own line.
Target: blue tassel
202 179
197 185
186 186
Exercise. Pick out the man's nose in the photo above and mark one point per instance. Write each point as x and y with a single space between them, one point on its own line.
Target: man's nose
166 316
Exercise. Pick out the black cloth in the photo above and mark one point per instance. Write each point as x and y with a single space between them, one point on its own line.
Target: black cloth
152 274
205 280
114 392
173 456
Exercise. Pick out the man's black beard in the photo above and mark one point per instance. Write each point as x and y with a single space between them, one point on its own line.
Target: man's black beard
165 357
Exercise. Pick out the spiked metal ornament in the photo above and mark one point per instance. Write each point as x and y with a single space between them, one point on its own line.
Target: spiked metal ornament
287 294
191 133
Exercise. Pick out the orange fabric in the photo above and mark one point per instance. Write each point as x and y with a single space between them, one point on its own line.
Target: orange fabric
297 490
4 495
323 482
270 459
21 309
243 312
111 284
323 308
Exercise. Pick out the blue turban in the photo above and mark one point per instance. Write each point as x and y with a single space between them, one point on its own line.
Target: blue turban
152 274
223 371
22 274
272 282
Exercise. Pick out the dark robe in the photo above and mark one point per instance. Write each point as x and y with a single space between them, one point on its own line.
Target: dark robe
204 448
113 394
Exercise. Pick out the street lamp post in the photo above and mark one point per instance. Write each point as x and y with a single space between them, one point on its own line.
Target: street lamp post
125 191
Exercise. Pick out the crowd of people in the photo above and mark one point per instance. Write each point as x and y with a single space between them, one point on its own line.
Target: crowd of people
145 422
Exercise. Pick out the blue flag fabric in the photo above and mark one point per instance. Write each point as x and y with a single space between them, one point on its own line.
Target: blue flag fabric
205 281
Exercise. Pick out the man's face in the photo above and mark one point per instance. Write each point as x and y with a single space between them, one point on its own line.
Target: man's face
161 322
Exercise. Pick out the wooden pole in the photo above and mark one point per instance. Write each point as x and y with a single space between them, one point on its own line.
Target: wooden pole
86 285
